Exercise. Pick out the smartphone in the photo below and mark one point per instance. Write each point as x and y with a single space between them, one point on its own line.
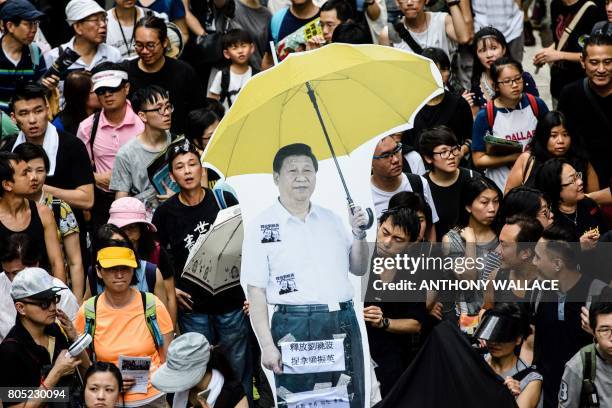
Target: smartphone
203 395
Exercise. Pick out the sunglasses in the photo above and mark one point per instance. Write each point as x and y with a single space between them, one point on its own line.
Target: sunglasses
44 304
105 89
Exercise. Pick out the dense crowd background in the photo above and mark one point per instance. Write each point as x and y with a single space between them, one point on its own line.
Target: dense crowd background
90 245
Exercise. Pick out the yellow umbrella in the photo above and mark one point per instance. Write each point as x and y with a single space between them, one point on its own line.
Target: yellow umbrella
333 99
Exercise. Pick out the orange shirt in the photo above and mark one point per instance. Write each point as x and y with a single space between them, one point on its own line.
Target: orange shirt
124 332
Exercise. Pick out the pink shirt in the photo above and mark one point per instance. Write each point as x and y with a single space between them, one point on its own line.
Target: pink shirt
109 138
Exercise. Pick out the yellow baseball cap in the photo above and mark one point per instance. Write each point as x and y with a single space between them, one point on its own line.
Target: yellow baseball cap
116 256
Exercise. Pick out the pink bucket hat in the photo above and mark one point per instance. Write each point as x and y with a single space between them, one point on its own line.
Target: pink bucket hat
129 210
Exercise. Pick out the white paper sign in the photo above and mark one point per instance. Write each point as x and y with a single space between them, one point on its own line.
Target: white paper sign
335 397
301 357
138 369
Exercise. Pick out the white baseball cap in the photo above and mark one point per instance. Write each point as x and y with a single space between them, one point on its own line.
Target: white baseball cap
34 283
108 79
77 10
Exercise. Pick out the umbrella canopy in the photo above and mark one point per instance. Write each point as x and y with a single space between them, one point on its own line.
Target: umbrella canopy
361 90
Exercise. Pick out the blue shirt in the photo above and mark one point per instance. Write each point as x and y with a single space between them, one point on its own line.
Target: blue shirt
174 9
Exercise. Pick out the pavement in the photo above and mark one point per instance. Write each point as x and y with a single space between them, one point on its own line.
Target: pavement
542 78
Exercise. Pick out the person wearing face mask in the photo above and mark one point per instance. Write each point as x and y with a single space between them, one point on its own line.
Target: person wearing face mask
551 139
503 330
35 351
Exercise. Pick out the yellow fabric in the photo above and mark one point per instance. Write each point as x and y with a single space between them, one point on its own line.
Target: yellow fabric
116 256
362 91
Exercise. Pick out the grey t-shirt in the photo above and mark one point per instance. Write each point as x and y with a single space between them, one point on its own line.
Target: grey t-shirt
255 22
130 172
532 376
571 383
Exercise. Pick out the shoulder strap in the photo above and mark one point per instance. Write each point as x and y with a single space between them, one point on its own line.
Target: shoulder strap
225 80
570 28
93 280
490 114
523 373
408 39
89 308
151 275
588 392
276 23
533 102
417 184
150 312
92 136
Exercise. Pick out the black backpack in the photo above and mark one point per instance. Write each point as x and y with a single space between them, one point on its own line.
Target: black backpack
225 80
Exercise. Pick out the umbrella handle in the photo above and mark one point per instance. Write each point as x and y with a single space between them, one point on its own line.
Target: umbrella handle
369 212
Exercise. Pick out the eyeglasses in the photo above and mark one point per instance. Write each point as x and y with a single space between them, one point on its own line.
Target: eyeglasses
575 177
96 20
161 110
605 332
396 150
511 81
445 154
545 211
44 304
138 46
101 91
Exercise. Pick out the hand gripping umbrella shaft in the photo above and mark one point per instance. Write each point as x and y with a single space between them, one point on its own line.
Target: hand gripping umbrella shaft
350 201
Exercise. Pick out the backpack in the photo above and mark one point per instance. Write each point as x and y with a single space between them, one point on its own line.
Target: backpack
491 111
225 81
150 314
150 276
416 183
588 394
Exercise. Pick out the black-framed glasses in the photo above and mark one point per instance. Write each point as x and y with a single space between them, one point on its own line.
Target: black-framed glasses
161 109
605 331
511 81
396 150
445 154
575 177
43 304
138 46
101 91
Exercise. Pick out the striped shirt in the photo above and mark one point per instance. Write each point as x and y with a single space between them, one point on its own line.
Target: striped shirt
29 68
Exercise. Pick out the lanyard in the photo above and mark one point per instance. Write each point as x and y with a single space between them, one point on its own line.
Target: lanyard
127 45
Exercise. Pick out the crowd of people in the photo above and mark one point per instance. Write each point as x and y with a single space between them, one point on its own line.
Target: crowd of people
93 93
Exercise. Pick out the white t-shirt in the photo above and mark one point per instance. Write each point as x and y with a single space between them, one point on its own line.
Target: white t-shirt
415 161
68 304
505 15
434 36
381 198
298 262
236 83
118 40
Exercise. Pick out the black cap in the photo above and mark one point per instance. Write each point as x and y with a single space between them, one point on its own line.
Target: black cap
19 9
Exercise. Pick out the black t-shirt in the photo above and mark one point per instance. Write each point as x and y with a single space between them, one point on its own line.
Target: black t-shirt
446 199
587 217
558 334
584 121
453 112
178 227
24 363
179 79
564 72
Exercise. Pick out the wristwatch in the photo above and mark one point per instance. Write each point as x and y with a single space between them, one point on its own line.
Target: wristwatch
386 323
452 3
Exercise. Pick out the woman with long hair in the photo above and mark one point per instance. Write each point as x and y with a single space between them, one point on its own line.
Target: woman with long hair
511 117
551 139
474 237
489 45
81 102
